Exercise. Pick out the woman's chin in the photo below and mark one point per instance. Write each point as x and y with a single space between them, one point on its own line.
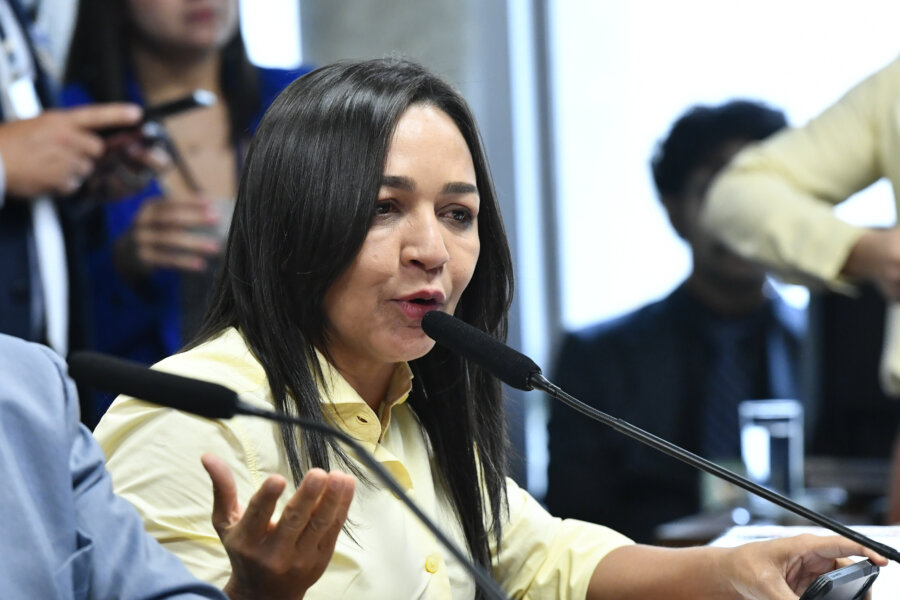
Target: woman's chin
414 349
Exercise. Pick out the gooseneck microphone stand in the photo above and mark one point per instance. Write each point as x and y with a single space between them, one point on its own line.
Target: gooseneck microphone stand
518 371
538 381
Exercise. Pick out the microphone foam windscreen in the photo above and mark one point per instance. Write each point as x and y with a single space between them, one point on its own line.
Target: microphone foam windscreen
112 374
511 367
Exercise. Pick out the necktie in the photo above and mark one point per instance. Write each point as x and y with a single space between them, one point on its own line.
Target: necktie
729 381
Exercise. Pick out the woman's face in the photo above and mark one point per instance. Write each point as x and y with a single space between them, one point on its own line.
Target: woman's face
184 25
419 253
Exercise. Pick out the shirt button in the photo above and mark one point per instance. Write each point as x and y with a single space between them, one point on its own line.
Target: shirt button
432 563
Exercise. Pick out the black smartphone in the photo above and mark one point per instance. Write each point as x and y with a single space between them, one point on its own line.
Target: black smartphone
196 99
847 583
153 114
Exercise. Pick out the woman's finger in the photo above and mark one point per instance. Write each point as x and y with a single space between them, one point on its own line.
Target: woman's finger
226 510
257 518
329 539
300 509
334 502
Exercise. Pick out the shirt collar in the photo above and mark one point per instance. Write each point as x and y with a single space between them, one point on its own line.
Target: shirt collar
346 408
342 405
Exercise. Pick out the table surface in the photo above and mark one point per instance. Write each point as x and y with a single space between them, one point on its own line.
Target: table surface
861 480
886 585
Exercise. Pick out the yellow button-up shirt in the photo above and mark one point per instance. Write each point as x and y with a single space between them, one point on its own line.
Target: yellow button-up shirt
154 457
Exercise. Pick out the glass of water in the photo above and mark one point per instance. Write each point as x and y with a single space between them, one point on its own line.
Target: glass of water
772 447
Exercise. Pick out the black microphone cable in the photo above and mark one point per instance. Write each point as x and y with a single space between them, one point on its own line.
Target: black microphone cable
215 401
518 371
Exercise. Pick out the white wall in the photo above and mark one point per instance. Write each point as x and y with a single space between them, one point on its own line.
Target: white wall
271 30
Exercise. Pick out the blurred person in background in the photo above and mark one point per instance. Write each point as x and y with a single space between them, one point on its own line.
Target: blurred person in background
154 252
48 176
774 204
677 367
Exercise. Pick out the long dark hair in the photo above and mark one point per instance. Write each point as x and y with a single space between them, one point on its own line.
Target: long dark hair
304 206
99 60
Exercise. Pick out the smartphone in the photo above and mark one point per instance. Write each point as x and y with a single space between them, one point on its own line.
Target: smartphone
847 583
196 99
153 114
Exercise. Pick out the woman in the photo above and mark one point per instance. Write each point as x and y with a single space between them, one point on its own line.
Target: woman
366 201
151 267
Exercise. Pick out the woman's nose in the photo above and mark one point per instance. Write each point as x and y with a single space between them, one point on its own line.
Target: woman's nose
424 243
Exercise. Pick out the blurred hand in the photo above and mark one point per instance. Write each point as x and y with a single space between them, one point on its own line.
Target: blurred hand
876 258
55 152
132 157
278 560
164 236
782 569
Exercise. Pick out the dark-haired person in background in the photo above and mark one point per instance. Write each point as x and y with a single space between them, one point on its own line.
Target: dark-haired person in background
151 265
676 367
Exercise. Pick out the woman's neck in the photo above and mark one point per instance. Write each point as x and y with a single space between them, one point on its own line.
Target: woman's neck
162 78
371 384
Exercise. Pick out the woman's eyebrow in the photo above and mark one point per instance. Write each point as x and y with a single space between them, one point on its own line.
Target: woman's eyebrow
460 187
398 182
407 184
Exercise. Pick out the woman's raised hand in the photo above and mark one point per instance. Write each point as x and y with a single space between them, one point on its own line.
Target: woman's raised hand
280 559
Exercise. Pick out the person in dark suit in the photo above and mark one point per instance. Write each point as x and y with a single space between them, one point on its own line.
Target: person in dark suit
679 366
45 154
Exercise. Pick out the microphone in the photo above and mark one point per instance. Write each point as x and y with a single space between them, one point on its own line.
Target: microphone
215 401
202 398
519 371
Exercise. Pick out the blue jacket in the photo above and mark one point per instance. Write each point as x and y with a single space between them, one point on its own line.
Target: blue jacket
142 325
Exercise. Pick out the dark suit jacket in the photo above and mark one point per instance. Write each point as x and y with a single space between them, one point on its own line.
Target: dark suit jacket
648 368
17 246
17 279
16 238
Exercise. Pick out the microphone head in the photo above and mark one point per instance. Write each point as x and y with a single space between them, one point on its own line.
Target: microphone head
112 374
511 367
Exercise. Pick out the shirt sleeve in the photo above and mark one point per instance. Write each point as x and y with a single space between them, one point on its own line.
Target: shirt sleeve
541 556
774 203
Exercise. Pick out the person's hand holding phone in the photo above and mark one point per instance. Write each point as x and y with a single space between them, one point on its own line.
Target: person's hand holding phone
55 152
138 152
132 157
850 582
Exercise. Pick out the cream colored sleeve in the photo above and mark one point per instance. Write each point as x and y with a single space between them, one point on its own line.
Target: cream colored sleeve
154 455
542 556
774 203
